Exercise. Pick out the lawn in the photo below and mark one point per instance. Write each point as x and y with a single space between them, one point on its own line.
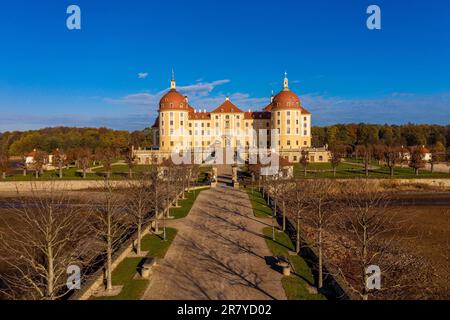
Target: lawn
295 285
68 174
124 273
260 209
185 205
350 171
119 171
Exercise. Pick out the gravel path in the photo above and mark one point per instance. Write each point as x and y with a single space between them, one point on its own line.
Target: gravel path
219 253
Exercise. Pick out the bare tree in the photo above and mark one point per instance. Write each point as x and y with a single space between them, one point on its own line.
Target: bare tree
320 215
304 161
41 236
366 152
110 223
23 164
139 204
39 160
337 153
391 156
4 161
365 219
297 198
59 157
106 156
130 158
155 182
83 157
435 158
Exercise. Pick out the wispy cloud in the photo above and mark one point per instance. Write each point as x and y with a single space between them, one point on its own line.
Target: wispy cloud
395 108
142 75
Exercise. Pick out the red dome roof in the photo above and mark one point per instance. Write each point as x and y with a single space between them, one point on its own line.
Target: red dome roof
286 99
173 100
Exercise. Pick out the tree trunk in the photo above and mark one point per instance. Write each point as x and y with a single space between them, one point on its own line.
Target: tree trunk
297 237
275 207
334 172
84 173
130 173
4 175
305 171
273 227
284 216
108 268
24 172
432 167
164 223
60 172
50 272
320 282
392 171
139 235
37 174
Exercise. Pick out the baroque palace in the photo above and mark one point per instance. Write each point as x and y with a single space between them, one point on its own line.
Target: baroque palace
179 127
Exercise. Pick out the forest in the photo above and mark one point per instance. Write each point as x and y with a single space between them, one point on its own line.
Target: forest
17 143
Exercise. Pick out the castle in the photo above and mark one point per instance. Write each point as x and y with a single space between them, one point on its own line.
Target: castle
179 127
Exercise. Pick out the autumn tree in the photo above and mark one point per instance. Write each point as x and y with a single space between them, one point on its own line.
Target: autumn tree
391 157
447 159
59 158
4 161
39 160
436 156
42 234
337 153
106 156
416 161
83 157
366 152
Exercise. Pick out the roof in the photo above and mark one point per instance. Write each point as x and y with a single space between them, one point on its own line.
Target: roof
173 100
156 124
257 115
227 107
199 116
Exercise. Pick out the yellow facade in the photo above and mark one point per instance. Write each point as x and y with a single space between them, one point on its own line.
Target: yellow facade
180 127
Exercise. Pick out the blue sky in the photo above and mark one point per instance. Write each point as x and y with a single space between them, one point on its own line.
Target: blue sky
342 71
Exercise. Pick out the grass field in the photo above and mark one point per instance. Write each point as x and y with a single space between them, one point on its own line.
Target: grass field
351 171
295 285
124 274
118 172
185 205
260 210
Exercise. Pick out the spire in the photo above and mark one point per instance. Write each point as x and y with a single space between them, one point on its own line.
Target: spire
173 84
286 82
